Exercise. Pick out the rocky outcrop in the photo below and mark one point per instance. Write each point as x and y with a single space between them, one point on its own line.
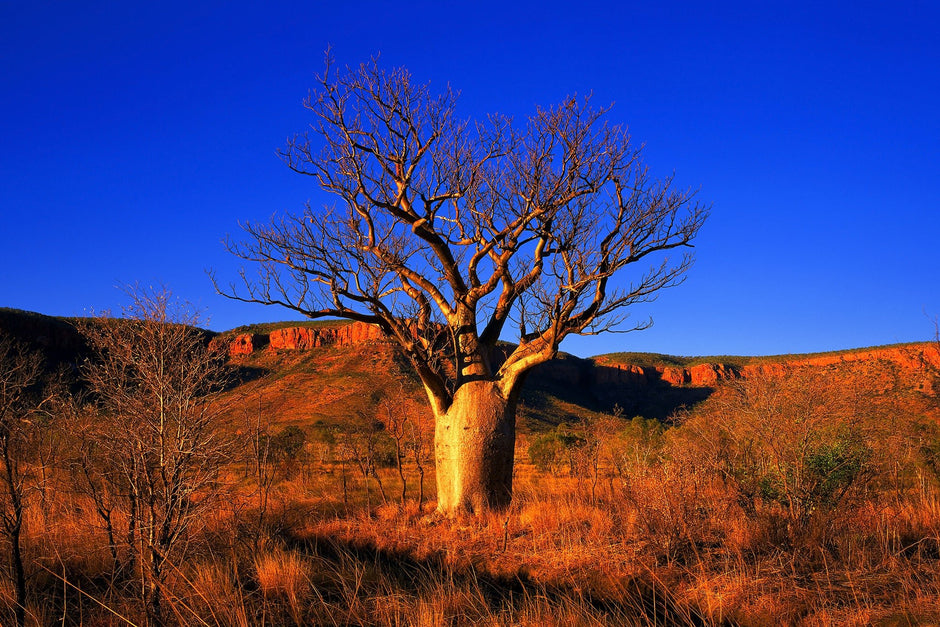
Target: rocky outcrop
672 376
916 364
302 338
294 339
619 374
305 338
243 344
711 374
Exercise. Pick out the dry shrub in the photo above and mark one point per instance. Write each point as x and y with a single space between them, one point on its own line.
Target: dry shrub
795 449
74 542
677 510
7 596
283 578
570 521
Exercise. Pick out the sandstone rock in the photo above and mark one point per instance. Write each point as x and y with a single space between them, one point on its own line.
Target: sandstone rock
242 345
673 376
305 338
710 374
294 338
356 333
619 374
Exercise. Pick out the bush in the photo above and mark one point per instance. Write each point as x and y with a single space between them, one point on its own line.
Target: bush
548 452
797 443
288 443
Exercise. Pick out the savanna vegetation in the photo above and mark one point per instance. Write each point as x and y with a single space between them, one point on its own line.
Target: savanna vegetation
154 483
148 479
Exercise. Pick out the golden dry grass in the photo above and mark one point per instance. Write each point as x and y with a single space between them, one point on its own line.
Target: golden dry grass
554 558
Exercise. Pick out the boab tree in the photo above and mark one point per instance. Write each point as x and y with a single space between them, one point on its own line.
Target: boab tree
446 231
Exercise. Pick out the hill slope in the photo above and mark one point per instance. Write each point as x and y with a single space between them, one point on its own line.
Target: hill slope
331 372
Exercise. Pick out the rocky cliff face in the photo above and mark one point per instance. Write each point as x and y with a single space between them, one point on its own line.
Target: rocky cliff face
305 338
302 338
915 364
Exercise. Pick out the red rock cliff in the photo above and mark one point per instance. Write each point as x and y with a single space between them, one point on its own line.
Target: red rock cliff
304 338
916 364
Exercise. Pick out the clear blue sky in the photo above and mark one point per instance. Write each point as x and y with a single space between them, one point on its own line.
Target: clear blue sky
135 136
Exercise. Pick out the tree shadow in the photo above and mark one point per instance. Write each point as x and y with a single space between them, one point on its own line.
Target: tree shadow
637 599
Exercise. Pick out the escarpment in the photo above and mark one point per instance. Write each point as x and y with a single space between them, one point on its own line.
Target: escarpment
299 338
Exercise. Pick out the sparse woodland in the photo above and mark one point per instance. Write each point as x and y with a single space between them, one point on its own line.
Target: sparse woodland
155 489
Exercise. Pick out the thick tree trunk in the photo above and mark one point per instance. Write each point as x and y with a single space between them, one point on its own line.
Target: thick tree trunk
474 445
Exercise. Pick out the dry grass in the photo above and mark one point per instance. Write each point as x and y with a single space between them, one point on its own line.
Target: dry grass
643 552
670 541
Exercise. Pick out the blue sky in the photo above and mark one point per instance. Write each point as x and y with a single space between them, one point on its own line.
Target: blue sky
136 137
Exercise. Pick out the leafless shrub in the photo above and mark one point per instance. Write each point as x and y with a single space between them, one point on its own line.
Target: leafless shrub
157 444
21 424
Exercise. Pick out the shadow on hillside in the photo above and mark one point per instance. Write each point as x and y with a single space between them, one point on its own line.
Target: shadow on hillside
242 374
599 388
638 599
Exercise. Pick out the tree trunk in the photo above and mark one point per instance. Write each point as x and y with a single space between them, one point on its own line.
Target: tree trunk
474 443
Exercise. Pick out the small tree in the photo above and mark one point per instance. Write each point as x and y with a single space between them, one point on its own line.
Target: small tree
448 231
261 465
420 438
20 398
395 415
156 382
365 445
98 476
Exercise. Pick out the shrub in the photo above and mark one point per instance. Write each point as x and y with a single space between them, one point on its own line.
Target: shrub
288 443
795 442
548 452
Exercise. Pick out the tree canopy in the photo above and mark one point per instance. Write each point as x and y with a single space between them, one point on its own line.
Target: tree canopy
446 230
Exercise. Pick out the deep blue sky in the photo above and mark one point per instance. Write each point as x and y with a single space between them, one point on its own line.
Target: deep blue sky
136 136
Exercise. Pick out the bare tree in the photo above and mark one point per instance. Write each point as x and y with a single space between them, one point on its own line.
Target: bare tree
447 231
261 465
419 444
20 383
393 413
98 476
156 382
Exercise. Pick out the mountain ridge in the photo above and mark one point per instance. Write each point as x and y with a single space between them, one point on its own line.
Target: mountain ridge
326 372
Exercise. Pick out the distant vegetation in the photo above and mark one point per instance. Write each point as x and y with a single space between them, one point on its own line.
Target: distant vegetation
674 361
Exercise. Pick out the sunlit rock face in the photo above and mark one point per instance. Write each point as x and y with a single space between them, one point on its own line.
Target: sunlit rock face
304 338
915 366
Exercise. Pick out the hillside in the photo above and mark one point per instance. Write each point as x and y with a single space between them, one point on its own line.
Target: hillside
342 527
328 372
325 373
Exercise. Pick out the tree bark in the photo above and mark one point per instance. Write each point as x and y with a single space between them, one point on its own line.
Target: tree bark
474 442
